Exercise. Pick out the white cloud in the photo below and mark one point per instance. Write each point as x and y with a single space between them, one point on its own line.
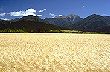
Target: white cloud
60 15
42 10
5 19
83 6
39 15
24 13
53 15
2 14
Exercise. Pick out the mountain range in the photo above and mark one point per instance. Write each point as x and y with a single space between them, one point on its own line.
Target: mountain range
63 21
92 23
26 24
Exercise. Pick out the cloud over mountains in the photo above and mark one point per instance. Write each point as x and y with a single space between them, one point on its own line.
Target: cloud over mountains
21 13
24 13
27 12
51 14
2 14
42 10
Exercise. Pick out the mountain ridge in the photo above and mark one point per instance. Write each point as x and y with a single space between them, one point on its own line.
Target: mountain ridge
63 21
92 23
26 24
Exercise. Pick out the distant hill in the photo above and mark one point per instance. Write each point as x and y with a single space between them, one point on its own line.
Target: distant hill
93 23
63 21
26 24
27 18
71 23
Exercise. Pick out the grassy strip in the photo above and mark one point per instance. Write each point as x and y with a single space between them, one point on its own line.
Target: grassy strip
50 31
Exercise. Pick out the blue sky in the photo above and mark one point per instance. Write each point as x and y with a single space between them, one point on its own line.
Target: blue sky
50 8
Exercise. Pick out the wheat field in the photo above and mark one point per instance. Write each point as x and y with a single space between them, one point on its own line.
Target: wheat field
54 52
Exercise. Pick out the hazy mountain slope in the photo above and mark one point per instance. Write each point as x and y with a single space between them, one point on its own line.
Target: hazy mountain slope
27 25
63 21
93 23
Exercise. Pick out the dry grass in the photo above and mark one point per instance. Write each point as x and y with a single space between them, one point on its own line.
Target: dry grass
54 53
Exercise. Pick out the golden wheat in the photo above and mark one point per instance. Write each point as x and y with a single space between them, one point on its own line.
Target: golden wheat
54 53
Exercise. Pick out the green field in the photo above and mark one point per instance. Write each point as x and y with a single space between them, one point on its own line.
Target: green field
55 52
